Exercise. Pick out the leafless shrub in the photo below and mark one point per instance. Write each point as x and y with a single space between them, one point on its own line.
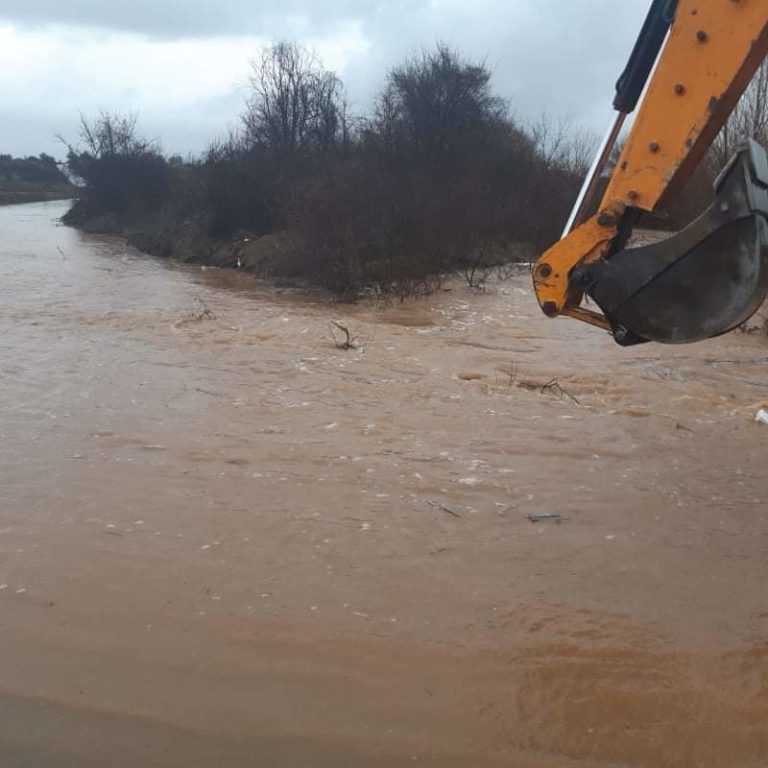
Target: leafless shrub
476 276
344 341
505 272
477 268
550 387
513 371
562 146
204 312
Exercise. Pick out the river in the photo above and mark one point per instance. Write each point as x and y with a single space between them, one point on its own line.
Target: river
479 537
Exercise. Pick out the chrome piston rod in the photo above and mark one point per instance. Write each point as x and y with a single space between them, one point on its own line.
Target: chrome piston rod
592 180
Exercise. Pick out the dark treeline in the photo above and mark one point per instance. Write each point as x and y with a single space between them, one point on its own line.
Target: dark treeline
439 176
28 179
33 169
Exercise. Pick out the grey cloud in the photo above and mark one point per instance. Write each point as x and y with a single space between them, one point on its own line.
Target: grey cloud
547 55
182 18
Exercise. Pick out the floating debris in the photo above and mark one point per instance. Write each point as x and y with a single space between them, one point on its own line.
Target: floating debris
546 517
550 387
443 508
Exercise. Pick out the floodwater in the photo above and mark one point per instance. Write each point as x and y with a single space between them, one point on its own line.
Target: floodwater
224 540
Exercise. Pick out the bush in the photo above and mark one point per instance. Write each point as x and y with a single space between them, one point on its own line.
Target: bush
122 173
438 178
441 178
239 189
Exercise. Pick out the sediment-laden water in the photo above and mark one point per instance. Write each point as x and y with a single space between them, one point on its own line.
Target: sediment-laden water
477 538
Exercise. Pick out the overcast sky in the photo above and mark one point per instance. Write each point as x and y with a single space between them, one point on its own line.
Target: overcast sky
183 64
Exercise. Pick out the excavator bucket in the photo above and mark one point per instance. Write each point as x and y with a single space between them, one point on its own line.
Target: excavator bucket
702 281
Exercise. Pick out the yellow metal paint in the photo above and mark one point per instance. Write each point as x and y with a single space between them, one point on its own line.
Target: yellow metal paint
713 50
550 275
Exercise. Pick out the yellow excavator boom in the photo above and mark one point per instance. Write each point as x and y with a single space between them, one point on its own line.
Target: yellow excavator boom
711 276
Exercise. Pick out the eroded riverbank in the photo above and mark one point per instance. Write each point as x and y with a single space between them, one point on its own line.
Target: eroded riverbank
222 537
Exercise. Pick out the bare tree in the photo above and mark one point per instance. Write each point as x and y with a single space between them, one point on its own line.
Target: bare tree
560 146
748 120
112 134
295 104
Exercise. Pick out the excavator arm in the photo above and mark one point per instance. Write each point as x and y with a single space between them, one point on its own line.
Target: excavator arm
711 276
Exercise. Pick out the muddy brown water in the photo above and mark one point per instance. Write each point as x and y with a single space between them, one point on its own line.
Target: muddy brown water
225 541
